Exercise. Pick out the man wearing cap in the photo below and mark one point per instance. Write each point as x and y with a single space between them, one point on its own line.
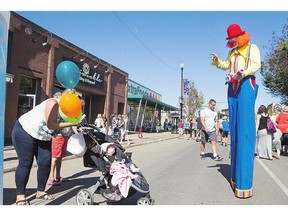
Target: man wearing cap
242 62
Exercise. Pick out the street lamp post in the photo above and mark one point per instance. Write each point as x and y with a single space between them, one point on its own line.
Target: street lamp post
181 98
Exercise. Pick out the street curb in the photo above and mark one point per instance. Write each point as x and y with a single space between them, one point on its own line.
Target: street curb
148 142
70 157
13 169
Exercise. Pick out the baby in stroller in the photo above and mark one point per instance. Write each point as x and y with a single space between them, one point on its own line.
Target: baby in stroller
117 156
122 169
120 177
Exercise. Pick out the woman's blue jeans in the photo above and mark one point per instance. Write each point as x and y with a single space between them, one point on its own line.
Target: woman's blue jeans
26 148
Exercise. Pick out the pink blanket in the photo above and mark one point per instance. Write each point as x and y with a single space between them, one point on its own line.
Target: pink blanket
120 177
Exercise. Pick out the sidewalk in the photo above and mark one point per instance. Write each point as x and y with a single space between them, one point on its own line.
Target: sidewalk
11 160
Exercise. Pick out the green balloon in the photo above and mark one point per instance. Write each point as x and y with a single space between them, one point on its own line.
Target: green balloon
70 119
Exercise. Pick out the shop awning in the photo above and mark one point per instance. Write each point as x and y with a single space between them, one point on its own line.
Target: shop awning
151 102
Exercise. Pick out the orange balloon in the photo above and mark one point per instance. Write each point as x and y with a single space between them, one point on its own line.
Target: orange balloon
70 105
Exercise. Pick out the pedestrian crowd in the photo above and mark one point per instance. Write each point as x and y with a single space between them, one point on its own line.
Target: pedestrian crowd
118 128
272 131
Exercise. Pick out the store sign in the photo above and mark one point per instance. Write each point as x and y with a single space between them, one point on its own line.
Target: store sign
137 89
90 76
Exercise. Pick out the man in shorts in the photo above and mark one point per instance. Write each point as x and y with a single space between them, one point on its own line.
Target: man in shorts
210 129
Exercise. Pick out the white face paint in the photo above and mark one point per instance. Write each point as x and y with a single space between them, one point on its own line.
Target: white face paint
231 43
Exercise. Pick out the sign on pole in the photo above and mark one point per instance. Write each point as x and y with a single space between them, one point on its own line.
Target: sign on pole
186 86
4 28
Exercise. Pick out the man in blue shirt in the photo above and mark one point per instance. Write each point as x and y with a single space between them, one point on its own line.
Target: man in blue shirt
225 128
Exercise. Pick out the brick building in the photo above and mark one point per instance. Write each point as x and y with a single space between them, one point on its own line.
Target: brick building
33 55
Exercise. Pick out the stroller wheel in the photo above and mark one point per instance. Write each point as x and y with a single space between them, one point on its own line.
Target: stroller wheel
84 197
143 201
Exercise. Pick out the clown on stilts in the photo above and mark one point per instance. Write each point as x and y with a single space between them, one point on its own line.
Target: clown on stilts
243 61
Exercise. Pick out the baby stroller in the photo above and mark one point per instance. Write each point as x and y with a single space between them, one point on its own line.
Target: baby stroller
95 158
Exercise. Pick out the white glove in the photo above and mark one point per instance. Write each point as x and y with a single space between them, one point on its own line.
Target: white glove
214 57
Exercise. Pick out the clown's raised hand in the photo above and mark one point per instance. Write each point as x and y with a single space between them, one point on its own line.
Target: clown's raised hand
214 56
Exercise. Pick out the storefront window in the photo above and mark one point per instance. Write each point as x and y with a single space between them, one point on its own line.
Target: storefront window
27 85
27 95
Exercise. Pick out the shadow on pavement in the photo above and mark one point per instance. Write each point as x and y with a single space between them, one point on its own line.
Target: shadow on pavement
224 169
62 193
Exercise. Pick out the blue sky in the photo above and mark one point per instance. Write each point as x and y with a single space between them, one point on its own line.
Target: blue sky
150 45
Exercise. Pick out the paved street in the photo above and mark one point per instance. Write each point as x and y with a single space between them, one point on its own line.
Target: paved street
10 157
176 174
182 178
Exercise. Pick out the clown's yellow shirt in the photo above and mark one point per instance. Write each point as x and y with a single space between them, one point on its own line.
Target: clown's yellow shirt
237 58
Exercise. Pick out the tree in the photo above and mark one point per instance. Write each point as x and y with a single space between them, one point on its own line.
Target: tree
193 101
275 66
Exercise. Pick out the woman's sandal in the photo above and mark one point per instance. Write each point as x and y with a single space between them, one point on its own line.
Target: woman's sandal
22 202
45 196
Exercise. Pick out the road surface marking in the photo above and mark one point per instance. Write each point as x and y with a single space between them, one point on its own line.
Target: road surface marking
278 182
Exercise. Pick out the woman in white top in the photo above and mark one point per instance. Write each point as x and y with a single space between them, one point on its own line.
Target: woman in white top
124 134
99 121
31 136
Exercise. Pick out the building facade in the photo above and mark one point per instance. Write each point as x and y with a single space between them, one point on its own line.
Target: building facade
33 55
145 108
